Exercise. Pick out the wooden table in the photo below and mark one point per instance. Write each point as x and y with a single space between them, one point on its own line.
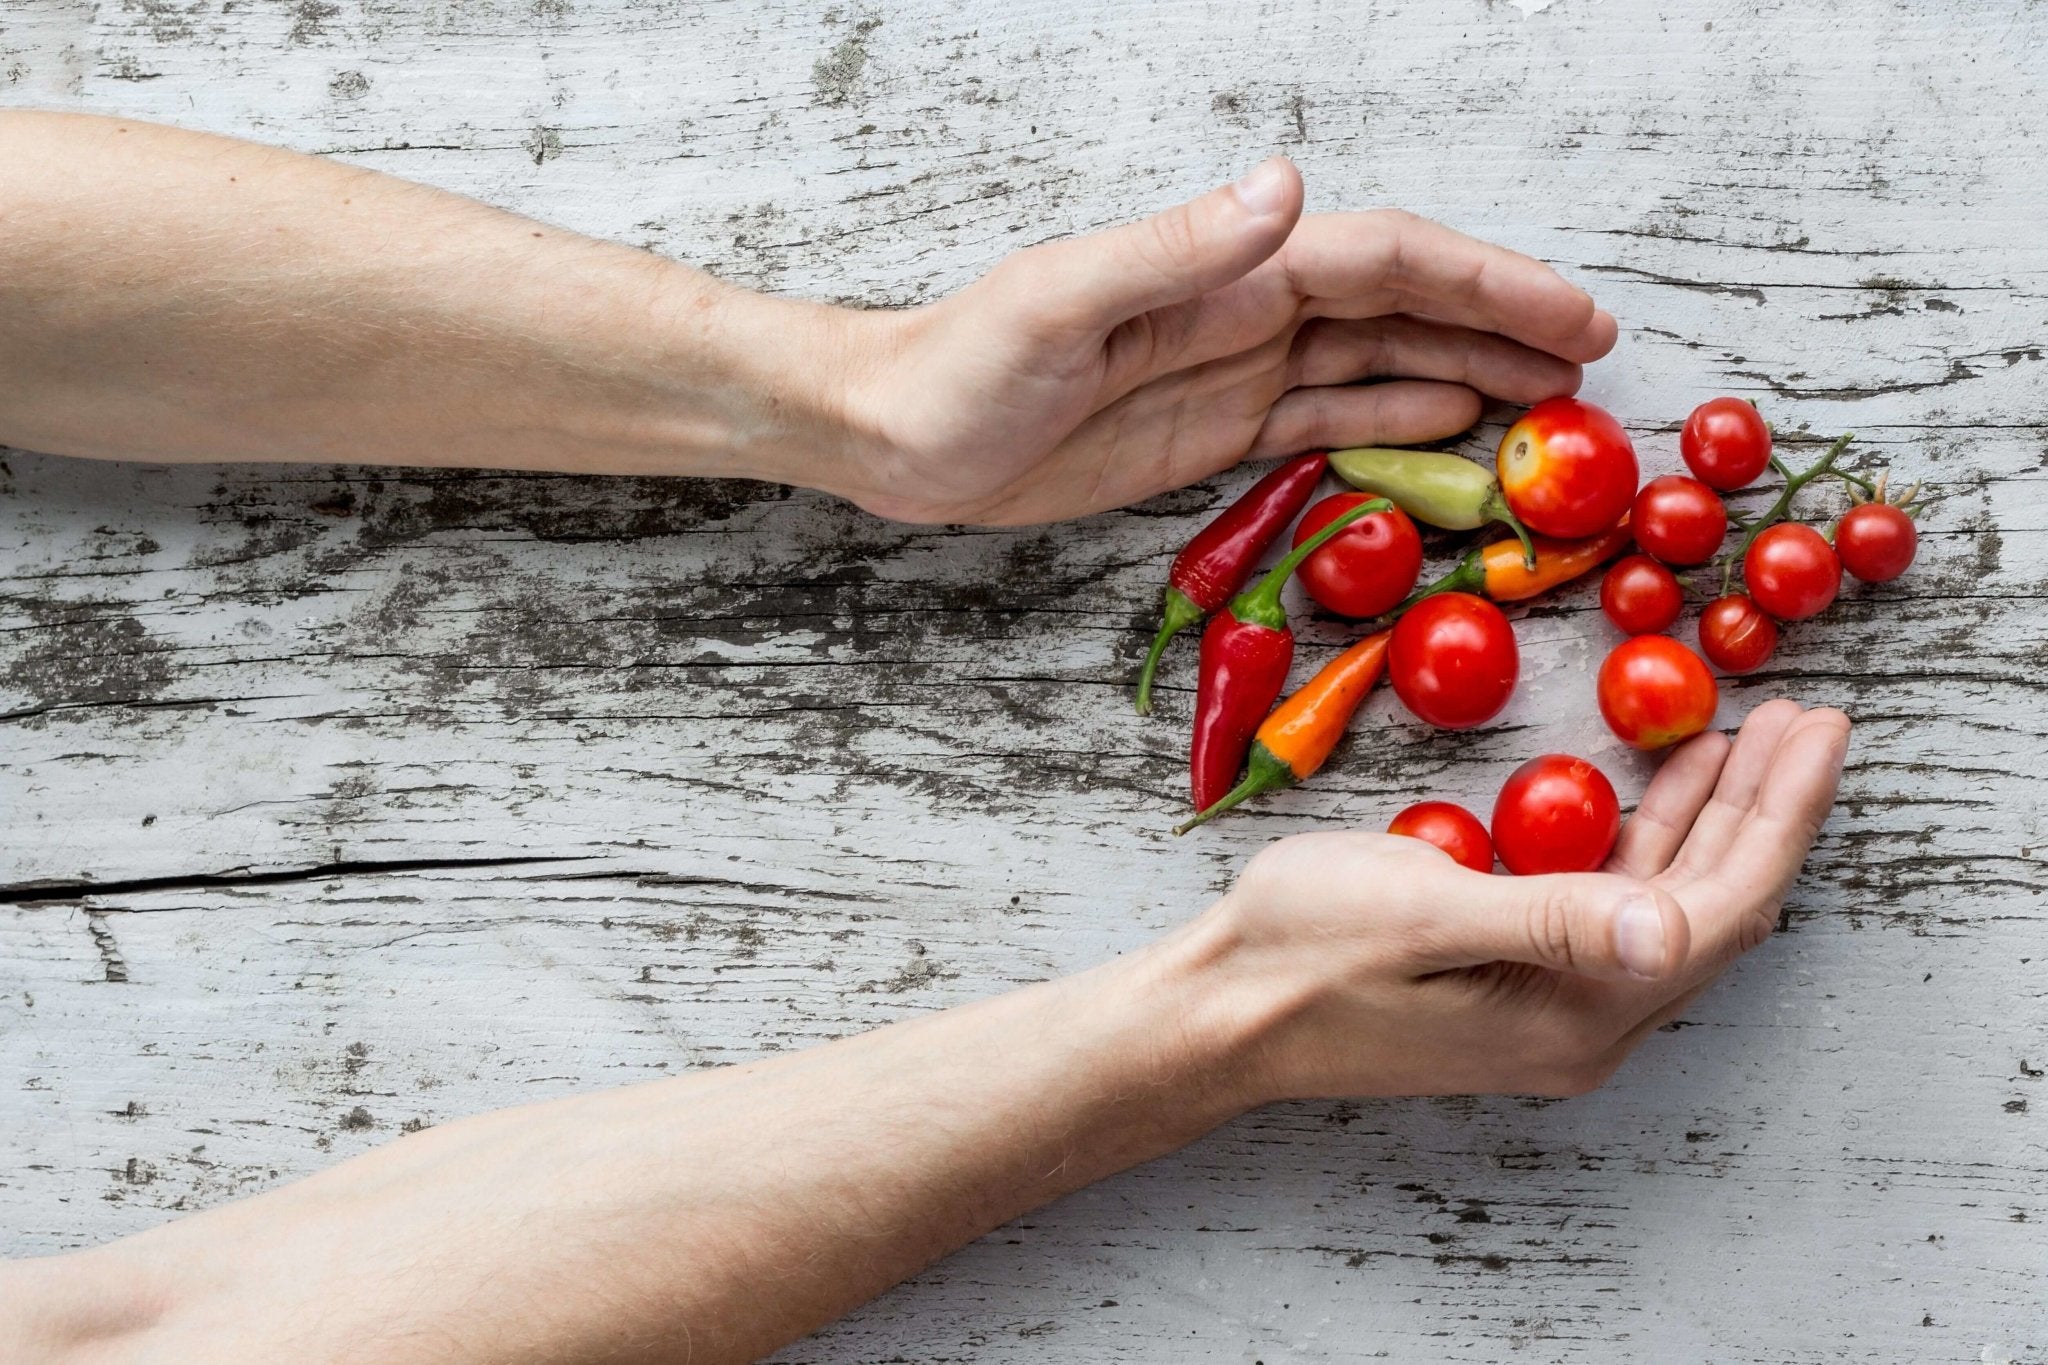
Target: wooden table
341 802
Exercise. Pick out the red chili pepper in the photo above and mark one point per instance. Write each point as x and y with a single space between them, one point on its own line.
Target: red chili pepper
1245 654
1219 560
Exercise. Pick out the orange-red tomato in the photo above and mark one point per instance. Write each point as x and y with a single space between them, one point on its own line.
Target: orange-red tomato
1567 468
1450 827
1725 443
1678 520
1792 571
1641 596
1736 635
1453 661
1555 814
1367 567
1654 691
1876 541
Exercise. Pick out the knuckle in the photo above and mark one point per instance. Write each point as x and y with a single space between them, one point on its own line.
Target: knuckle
1550 927
1172 243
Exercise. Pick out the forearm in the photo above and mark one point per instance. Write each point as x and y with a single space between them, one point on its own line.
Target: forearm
169 295
710 1217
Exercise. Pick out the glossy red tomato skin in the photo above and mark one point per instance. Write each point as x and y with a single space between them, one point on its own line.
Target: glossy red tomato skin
1450 827
1792 572
1725 443
1736 635
1555 814
1678 520
1640 596
1655 692
1567 468
1453 660
1876 542
1368 567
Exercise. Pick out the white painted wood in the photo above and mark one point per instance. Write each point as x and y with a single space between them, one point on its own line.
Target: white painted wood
790 772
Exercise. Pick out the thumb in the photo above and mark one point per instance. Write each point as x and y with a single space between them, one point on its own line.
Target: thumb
1098 281
1589 924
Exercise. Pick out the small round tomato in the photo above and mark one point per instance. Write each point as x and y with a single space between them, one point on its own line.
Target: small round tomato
1736 635
1453 660
1555 814
1450 827
1640 596
1792 571
1367 567
1567 468
1726 443
1679 520
1876 541
1654 691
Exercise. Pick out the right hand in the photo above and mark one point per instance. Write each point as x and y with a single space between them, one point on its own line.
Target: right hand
1370 964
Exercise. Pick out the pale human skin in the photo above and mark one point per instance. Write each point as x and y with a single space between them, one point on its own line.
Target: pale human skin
169 296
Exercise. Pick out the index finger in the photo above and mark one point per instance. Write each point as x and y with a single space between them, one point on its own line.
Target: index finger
1367 264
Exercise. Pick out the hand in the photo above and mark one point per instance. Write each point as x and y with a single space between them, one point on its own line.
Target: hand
1370 964
1089 374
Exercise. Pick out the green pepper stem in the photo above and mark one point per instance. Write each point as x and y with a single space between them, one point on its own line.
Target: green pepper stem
1469 576
1496 508
1261 604
1793 483
1264 773
1180 612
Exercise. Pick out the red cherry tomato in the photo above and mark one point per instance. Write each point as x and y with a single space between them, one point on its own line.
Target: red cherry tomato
1555 814
1640 596
1450 827
1792 572
1736 635
1726 443
1567 468
1876 541
1367 567
1679 520
1453 660
1654 691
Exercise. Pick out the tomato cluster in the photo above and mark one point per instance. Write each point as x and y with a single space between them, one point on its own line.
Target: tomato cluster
1653 695
1568 471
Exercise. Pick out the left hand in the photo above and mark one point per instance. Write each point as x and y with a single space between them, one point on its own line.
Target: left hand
1093 373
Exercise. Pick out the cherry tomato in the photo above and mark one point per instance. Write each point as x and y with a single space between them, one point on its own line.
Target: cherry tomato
1679 520
1876 541
1726 443
1367 567
1640 596
1453 660
1567 468
1450 827
1555 814
1654 691
1792 572
1736 635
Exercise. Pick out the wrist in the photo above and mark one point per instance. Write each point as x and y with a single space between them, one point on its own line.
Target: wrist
1213 1021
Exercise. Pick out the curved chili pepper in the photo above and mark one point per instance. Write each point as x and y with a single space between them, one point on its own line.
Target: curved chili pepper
1433 486
1497 571
1297 739
1221 557
1245 654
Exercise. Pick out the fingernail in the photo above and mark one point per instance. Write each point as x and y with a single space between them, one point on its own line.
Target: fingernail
1639 936
1263 190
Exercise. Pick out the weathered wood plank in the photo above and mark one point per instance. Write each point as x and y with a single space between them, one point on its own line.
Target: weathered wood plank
787 772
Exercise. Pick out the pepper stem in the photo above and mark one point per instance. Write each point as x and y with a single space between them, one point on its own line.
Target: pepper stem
1264 773
1180 612
1261 604
1496 508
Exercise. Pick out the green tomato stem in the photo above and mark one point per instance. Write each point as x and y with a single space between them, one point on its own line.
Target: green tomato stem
1776 511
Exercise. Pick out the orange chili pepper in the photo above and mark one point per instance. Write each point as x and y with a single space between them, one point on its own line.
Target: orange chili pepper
1497 572
1298 737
